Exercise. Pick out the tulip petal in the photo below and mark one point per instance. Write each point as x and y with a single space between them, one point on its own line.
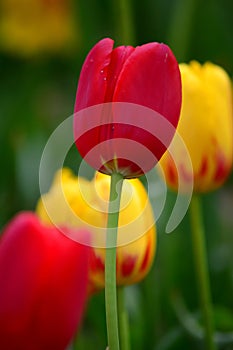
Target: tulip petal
150 77
118 57
43 278
206 129
145 76
93 77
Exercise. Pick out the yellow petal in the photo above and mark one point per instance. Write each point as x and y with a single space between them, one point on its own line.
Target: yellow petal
206 126
79 203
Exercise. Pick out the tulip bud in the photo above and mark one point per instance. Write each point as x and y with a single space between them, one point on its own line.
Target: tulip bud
43 278
127 107
79 203
206 127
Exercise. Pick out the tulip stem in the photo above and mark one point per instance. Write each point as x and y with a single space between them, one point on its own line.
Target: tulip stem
123 320
110 262
201 265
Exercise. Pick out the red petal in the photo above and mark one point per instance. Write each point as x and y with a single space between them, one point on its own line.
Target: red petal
93 77
150 77
128 265
147 76
43 278
118 57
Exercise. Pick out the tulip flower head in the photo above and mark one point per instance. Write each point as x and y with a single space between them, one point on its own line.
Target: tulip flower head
43 278
127 107
206 126
80 203
29 28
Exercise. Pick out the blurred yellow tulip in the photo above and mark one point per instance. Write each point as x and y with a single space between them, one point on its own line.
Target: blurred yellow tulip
33 27
78 203
206 127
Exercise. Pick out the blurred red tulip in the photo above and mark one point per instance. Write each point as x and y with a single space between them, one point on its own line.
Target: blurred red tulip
127 137
43 278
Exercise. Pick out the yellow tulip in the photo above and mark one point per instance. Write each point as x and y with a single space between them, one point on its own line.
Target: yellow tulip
32 27
79 203
206 127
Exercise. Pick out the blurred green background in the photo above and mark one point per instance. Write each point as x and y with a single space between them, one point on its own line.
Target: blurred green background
42 46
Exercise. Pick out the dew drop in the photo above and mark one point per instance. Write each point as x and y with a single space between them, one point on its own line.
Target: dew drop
102 71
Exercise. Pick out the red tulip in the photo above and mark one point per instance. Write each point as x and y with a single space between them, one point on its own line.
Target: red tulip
43 279
134 100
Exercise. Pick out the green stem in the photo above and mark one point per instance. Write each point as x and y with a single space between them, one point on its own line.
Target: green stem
110 262
124 22
123 320
201 265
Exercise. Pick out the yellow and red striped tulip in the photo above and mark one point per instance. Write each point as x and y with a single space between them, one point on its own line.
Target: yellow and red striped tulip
206 127
79 203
